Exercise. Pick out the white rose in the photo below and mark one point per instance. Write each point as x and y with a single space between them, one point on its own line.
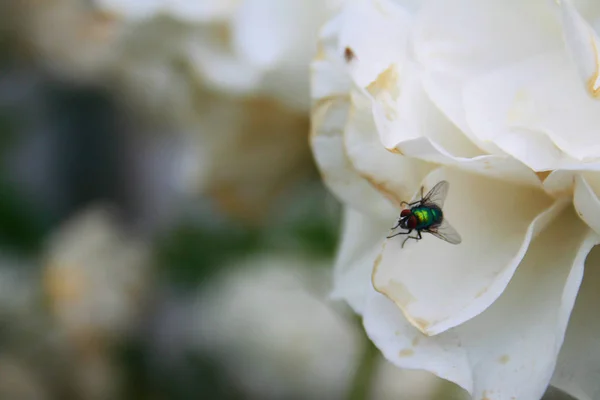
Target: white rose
242 47
500 99
96 277
232 75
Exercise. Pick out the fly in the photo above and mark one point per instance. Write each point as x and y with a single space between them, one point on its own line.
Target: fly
426 215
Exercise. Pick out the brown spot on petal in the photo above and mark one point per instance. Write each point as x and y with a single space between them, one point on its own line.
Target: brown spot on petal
394 150
416 340
375 268
377 262
406 353
399 293
542 175
421 324
592 87
386 81
349 54
481 292
320 55
504 359
385 89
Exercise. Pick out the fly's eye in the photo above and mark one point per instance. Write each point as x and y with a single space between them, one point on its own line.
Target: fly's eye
405 213
411 223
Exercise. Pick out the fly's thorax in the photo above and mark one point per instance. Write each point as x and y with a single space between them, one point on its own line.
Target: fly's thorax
427 216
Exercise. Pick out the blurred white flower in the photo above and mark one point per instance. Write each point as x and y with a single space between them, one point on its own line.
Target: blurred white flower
18 382
242 47
72 39
233 74
488 96
270 326
96 277
256 47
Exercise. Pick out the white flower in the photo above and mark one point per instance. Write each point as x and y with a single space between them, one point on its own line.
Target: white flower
96 277
267 322
233 74
242 47
500 99
72 39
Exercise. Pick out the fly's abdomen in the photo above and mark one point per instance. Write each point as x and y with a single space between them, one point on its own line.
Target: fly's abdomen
427 216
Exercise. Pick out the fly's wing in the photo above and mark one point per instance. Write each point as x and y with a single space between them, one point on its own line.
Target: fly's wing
437 194
446 232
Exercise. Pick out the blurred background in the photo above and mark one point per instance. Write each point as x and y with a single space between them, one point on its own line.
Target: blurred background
164 233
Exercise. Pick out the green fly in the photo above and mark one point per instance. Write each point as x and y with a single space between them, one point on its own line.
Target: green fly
426 215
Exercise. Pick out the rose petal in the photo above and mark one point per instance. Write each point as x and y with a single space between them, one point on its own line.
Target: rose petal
451 54
363 23
328 80
583 44
536 111
560 183
395 176
403 111
578 365
328 120
409 123
585 199
360 243
496 220
501 167
509 350
406 347
330 89
329 75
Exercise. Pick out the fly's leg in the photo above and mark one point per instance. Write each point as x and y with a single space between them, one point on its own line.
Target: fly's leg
400 233
409 204
397 225
417 238
414 202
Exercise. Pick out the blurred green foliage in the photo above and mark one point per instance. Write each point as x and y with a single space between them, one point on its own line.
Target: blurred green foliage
192 251
22 226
